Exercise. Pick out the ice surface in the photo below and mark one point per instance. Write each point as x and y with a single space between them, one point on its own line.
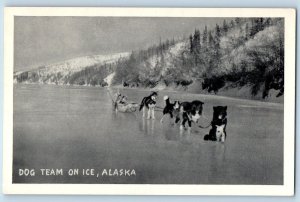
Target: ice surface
75 127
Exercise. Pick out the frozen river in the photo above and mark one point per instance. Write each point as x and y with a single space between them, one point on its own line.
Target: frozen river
75 127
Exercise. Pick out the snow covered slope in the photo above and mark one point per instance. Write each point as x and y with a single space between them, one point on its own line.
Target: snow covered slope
59 72
77 64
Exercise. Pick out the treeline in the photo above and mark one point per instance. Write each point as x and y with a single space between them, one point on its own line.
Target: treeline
206 49
239 52
252 54
236 53
93 76
138 70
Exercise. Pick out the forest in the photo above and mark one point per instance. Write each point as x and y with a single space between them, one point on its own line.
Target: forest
243 51
239 52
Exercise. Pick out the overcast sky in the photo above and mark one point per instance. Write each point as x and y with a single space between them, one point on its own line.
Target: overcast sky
45 40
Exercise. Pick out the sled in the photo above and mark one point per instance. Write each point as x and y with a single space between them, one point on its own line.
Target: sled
128 107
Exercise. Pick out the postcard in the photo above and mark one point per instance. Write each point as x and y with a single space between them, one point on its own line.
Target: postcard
149 101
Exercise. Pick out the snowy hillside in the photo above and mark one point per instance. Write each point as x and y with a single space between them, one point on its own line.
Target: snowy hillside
61 72
245 52
77 64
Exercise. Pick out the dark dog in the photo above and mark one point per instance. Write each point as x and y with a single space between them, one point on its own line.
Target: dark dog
170 108
219 122
149 102
189 112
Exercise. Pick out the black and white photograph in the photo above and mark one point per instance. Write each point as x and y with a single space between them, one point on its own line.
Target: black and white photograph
160 99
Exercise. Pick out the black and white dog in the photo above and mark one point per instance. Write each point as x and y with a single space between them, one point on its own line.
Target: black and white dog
170 108
149 102
189 112
219 123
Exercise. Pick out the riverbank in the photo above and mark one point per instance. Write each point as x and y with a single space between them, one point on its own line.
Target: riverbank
227 91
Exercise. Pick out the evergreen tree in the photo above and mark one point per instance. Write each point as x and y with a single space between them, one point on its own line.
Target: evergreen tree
257 24
237 21
231 24
210 40
218 33
253 29
267 22
260 24
217 41
225 27
191 44
197 46
196 41
204 37
247 32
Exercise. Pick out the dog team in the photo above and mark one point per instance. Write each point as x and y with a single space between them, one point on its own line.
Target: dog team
188 112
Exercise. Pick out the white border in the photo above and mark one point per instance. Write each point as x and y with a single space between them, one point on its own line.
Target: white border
287 189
